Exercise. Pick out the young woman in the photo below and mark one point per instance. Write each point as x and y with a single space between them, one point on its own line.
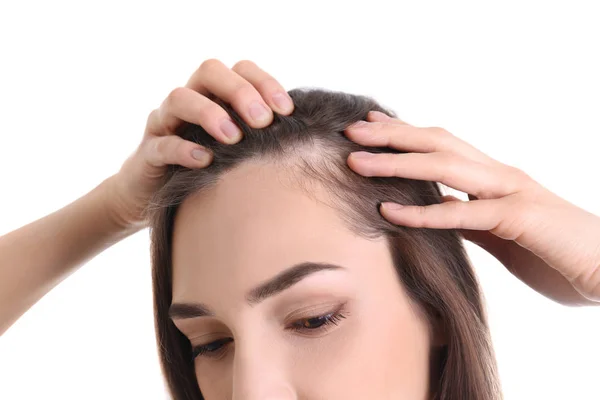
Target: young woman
281 267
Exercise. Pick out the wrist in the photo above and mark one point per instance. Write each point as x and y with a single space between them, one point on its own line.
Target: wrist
116 208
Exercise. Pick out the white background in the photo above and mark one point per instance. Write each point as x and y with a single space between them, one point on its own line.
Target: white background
519 80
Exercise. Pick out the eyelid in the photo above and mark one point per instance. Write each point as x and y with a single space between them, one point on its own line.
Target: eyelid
314 311
331 313
200 350
216 337
329 321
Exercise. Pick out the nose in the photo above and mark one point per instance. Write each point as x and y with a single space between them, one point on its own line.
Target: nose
260 371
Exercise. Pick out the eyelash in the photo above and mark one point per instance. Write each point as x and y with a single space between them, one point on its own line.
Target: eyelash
326 320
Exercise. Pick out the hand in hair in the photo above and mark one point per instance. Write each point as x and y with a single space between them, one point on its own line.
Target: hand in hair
550 244
252 93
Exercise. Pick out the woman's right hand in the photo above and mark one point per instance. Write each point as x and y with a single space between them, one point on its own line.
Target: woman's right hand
253 94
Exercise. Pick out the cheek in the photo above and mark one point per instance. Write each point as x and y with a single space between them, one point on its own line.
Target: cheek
403 355
376 354
379 355
215 380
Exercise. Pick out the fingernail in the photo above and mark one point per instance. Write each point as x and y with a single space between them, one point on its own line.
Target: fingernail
258 112
200 155
230 129
362 155
391 206
359 125
283 101
379 115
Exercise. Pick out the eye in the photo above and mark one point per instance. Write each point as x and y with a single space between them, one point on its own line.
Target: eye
212 349
311 325
318 323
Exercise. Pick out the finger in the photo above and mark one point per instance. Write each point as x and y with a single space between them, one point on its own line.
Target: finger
378 116
165 150
214 76
449 197
484 239
268 87
477 215
184 104
406 137
480 238
458 172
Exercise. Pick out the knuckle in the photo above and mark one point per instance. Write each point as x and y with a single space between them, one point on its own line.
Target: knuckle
376 127
167 147
268 84
151 117
149 149
522 179
521 203
175 95
210 64
159 146
243 90
170 126
244 65
178 149
457 211
420 214
421 211
439 132
384 129
381 125
210 110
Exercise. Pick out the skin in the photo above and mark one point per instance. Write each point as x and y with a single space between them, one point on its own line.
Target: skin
547 242
232 237
113 210
534 233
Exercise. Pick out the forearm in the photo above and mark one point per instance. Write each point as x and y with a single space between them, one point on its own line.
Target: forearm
38 256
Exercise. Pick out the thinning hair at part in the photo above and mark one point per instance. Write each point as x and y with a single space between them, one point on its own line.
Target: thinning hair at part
310 150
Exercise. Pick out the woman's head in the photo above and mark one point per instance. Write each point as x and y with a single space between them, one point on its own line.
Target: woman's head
275 264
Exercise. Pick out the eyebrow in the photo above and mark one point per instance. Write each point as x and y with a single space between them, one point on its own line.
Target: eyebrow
273 286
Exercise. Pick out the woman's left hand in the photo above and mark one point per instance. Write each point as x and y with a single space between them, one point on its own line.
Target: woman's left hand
550 244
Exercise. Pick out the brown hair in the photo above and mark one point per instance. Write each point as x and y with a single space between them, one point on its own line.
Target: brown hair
431 263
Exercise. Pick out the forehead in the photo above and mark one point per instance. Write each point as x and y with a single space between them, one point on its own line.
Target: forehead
250 226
